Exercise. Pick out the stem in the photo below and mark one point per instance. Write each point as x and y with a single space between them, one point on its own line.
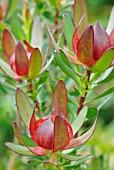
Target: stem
56 23
47 53
82 99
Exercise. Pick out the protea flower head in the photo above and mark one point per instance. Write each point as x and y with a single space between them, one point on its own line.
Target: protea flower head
51 133
92 44
22 62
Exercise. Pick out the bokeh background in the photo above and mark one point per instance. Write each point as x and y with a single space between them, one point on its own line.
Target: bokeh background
101 145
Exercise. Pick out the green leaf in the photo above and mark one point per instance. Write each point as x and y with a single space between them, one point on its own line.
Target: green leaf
34 162
35 63
12 9
3 26
37 34
72 158
104 62
110 25
18 134
28 141
67 70
75 163
23 107
43 77
19 149
74 93
68 29
64 58
92 111
7 70
79 120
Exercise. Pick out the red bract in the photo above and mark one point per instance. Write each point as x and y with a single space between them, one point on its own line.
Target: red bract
48 132
21 60
92 44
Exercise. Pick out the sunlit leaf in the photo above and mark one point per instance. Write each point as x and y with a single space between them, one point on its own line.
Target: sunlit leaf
79 120
19 149
72 158
37 34
68 29
23 106
35 63
110 25
7 70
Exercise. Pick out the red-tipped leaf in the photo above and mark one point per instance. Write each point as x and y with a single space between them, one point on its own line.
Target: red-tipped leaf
85 47
8 43
60 99
101 41
21 60
29 47
112 37
82 139
61 136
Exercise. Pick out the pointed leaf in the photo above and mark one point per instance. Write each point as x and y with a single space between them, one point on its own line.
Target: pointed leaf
19 149
101 41
65 68
82 139
60 100
8 43
72 158
37 34
23 107
21 60
104 62
85 47
64 58
68 29
110 25
60 130
18 134
12 9
75 164
80 10
35 63
29 47
52 39
79 120
7 70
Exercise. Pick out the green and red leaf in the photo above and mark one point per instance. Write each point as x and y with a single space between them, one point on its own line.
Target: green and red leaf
35 63
101 41
60 99
85 47
21 60
8 43
60 130
23 107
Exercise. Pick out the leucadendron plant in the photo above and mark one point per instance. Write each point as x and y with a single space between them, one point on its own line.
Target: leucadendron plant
86 56
53 134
